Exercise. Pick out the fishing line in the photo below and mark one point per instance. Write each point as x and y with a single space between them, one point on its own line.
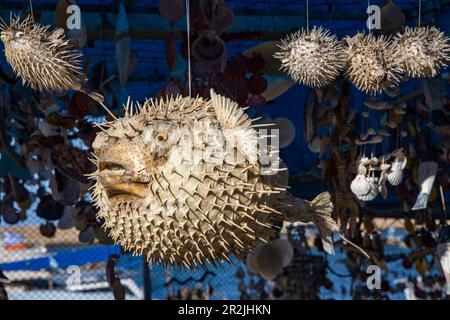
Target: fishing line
420 13
188 46
31 11
307 16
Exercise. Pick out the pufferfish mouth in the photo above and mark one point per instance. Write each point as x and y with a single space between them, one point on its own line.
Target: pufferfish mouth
119 182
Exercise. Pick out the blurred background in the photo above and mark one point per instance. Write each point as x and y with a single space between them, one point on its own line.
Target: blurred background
51 244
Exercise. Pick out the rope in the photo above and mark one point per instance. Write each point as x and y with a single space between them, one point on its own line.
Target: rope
188 46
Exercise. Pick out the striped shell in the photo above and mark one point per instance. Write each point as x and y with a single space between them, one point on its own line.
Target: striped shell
360 185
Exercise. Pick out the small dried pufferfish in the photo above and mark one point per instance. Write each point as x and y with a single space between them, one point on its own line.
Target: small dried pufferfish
44 59
167 187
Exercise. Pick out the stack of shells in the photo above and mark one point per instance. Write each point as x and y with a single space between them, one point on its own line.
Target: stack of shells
366 185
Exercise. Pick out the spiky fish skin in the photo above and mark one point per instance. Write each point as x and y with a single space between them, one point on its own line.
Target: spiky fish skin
424 51
312 57
44 59
184 211
373 63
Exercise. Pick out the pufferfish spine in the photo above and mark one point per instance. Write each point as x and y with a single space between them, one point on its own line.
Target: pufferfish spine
156 199
44 59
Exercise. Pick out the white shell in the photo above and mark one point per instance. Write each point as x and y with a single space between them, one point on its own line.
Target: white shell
360 185
286 131
395 175
373 191
314 145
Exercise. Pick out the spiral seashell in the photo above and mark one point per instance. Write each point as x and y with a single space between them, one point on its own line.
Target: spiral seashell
360 186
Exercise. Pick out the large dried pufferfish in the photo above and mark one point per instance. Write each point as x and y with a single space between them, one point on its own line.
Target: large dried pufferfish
44 59
157 199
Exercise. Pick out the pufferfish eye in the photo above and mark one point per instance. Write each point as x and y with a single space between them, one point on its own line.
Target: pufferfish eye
162 136
19 34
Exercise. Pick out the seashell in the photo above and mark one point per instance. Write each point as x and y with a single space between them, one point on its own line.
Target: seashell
286 131
360 185
286 248
373 190
49 209
171 50
269 261
72 162
172 10
392 18
9 214
256 101
67 220
218 16
314 145
47 230
251 262
209 48
395 175
86 235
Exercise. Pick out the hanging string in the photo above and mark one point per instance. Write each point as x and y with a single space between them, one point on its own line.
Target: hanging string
31 11
307 16
420 12
188 46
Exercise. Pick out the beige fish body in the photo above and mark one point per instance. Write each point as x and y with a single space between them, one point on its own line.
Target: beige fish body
43 58
157 198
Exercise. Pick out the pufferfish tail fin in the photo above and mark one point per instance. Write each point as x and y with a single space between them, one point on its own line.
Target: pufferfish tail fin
318 211
321 208
93 95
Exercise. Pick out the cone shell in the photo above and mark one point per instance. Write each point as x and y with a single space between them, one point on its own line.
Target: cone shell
314 58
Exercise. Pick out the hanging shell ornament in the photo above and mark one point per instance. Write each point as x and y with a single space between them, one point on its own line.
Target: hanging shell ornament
395 175
44 59
159 195
373 64
424 51
360 186
312 57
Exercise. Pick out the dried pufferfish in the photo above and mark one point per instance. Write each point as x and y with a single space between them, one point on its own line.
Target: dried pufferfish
424 51
373 63
157 199
314 58
43 59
